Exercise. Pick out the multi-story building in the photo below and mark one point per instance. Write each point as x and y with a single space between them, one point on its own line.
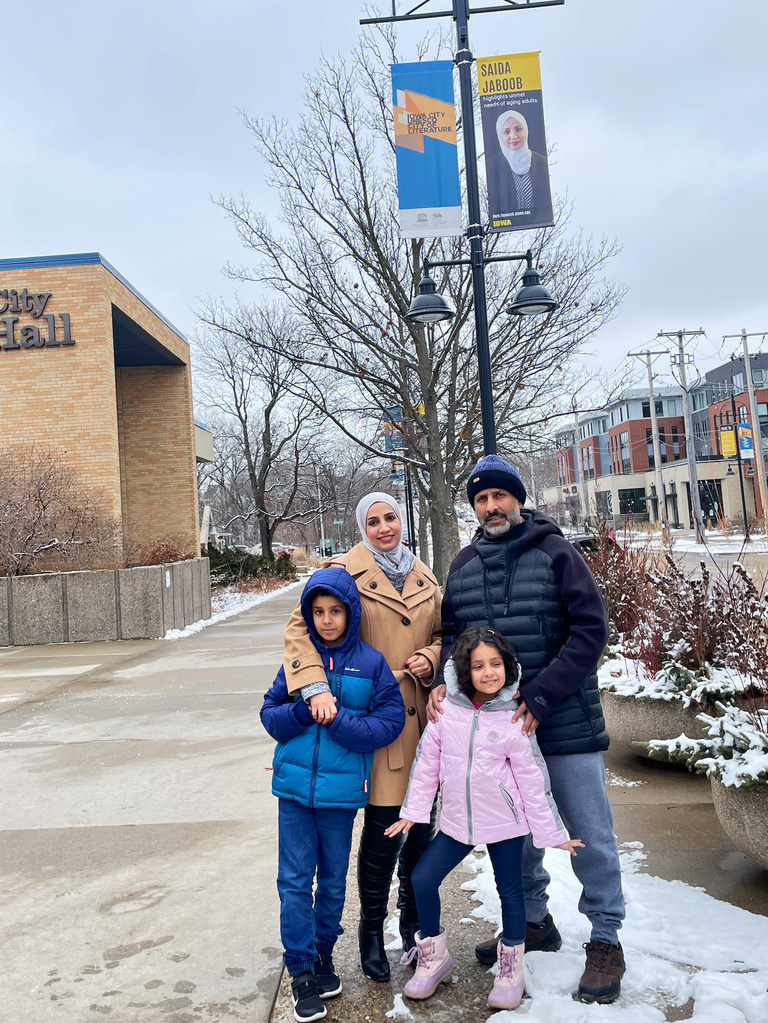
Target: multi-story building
609 469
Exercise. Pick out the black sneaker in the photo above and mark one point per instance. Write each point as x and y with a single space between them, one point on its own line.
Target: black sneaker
328 981
306 1000
543 937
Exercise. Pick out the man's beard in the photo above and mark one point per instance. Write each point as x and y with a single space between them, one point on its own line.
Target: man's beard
511 519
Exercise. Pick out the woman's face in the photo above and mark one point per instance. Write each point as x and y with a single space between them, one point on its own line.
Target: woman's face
382 527
512 134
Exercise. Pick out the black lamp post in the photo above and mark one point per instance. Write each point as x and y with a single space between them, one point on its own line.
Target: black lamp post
432 311
531 299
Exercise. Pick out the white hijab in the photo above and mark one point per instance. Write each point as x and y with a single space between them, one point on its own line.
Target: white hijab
397 563
519 160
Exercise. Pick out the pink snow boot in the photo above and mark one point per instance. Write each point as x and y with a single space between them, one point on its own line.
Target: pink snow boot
434 965
509 985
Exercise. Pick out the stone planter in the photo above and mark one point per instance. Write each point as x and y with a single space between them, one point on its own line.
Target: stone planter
743 816
632 719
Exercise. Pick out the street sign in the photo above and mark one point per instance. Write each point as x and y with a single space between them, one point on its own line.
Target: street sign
338 522
746 446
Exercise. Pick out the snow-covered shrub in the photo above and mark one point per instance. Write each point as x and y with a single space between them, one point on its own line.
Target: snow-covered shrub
736 748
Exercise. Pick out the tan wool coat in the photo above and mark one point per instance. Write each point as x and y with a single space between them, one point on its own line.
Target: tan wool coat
397 626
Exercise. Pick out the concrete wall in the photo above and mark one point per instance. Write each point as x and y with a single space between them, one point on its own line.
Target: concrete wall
88 607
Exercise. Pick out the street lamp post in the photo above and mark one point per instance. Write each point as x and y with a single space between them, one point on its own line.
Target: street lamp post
440 310
738 461
531 299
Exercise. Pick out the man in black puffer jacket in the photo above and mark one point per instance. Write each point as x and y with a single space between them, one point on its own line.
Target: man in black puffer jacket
521 577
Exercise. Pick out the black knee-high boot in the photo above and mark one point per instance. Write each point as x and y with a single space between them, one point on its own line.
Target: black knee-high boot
416 842
375 867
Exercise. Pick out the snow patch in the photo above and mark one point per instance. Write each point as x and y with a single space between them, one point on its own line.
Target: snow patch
399 1010
228 604
680 944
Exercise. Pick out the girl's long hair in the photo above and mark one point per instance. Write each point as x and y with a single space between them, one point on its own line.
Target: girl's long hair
468 641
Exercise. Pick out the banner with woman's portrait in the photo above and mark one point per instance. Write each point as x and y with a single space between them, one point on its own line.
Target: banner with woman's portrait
512 113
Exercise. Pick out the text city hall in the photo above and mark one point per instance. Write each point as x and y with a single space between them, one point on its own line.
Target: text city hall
30 335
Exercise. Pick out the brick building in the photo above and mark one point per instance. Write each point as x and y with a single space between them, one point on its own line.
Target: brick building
89 368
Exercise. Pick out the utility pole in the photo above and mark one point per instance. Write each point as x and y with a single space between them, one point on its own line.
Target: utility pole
662 497
578 472
690 448
320 510
534 502
757 441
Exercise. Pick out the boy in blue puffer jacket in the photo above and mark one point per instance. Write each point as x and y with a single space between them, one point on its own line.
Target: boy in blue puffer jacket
321 777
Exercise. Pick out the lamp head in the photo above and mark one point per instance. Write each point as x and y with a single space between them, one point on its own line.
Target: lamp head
428 306
750 471
532 298
730 471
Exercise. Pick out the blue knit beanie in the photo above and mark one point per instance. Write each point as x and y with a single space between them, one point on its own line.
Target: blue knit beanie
492 471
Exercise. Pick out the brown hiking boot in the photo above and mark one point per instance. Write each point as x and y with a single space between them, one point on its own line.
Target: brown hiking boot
543 937
601 980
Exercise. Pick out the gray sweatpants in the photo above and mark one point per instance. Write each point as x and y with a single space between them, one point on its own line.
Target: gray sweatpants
578 786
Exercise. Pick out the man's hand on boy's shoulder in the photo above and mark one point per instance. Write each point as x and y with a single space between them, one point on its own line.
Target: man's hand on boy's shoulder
323 708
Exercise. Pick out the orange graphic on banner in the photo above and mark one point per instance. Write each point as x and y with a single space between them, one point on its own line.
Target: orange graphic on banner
417 117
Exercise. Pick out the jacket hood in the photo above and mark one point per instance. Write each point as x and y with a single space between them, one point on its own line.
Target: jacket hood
505 699
341 584
536 525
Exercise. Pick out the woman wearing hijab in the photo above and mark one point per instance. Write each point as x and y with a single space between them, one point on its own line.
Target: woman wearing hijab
520 175
401 618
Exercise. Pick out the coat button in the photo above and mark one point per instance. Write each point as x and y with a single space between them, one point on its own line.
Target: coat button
411 711
295 664
373 585
406 621
419 582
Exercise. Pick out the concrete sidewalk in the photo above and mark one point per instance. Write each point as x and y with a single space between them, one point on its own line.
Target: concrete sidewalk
139 837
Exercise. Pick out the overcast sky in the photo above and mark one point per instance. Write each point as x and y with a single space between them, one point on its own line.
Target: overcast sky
119 121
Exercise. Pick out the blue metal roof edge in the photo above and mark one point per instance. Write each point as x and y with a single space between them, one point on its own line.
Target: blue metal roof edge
86 259
203 426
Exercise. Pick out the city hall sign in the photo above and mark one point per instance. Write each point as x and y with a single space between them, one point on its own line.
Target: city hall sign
47 332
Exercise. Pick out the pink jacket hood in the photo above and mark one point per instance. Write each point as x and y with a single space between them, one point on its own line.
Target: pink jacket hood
491 786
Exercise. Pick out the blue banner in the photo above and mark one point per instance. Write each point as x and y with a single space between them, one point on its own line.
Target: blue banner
429 194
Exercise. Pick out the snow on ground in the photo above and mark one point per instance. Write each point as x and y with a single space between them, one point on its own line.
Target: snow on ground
715 541
226 603
680 945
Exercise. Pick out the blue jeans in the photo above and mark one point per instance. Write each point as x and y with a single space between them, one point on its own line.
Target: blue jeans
445 853
309 841
578 785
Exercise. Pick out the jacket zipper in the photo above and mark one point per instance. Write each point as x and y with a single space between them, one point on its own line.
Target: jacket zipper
316 757
475 728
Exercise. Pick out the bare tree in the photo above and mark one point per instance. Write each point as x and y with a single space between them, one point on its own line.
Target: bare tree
269 437
347 281
49 518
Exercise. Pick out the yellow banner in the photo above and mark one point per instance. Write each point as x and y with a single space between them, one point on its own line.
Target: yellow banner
517 72
728 441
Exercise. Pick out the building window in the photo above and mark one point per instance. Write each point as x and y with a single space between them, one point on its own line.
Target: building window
743 414
647 408
738 382
699 400
672 407
605 504
663 443
758 377
649 445
676 444
626 465
602 426
632 502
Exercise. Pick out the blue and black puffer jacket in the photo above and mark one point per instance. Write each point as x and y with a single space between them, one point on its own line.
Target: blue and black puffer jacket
535 589
330 766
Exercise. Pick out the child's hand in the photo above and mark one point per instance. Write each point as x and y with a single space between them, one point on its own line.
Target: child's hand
323 708
398 826
571 846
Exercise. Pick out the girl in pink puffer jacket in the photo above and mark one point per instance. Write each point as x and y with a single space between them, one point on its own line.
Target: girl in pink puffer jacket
492 792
